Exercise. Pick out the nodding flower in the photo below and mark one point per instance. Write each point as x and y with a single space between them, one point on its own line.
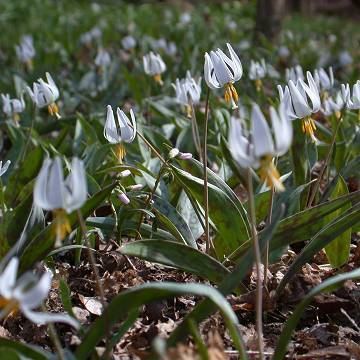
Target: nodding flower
352 101
128 42
333 105
188 92
301 100
13 107
295 73
223 71
257 148
102 59
45 94
324 80
258 71
27 294
61 196
121 131
25 51
154 66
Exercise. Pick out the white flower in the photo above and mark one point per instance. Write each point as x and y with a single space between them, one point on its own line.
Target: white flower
294 74
12 107
45 94
185 18
258 148
301 101
331 106
187 91
27 294
323 80
345 58
154 66
128 42
25 51
352 102
221 70
257 70
102 59
120 131
284 52
53 192
3 169
94 34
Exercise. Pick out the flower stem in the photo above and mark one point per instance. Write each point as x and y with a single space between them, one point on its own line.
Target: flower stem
327 160
195 131
206 189
259 325
55 338
269 219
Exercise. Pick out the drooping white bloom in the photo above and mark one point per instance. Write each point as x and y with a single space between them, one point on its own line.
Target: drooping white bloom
12 107
323 80
345 59
301 101
257 69
121 131
185 18
53 192
88 37
3 169
128 42
25 51
257 148
102 59
284 52
154 66
45 94
27 294
187 91
333 106
295 73
352 101
221 70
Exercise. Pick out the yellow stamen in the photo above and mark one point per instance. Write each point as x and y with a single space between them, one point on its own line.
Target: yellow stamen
61 225
188 111
29 65
269 174
338 114
9 306
158 79
258 85
308 127
231 96
54 110
16 118
120 152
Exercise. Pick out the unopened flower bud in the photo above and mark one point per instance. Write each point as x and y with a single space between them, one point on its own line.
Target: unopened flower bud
173 153
125 173
135 187
185 156
124 199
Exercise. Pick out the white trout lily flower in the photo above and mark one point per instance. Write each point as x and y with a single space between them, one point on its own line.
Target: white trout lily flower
295 73
53 193
25 51
45 94
352 101
154 66
324 80
4 168
102 59
257 72
27 294
301 101
121 131
188 92
258 148
13 107
223 71
333 106
128 42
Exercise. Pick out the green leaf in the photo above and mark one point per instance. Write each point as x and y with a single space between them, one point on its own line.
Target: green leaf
178 256
65 295
173 221
292 322
338 250
43 243
231 228
30 352
327 234
228 285
133 298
